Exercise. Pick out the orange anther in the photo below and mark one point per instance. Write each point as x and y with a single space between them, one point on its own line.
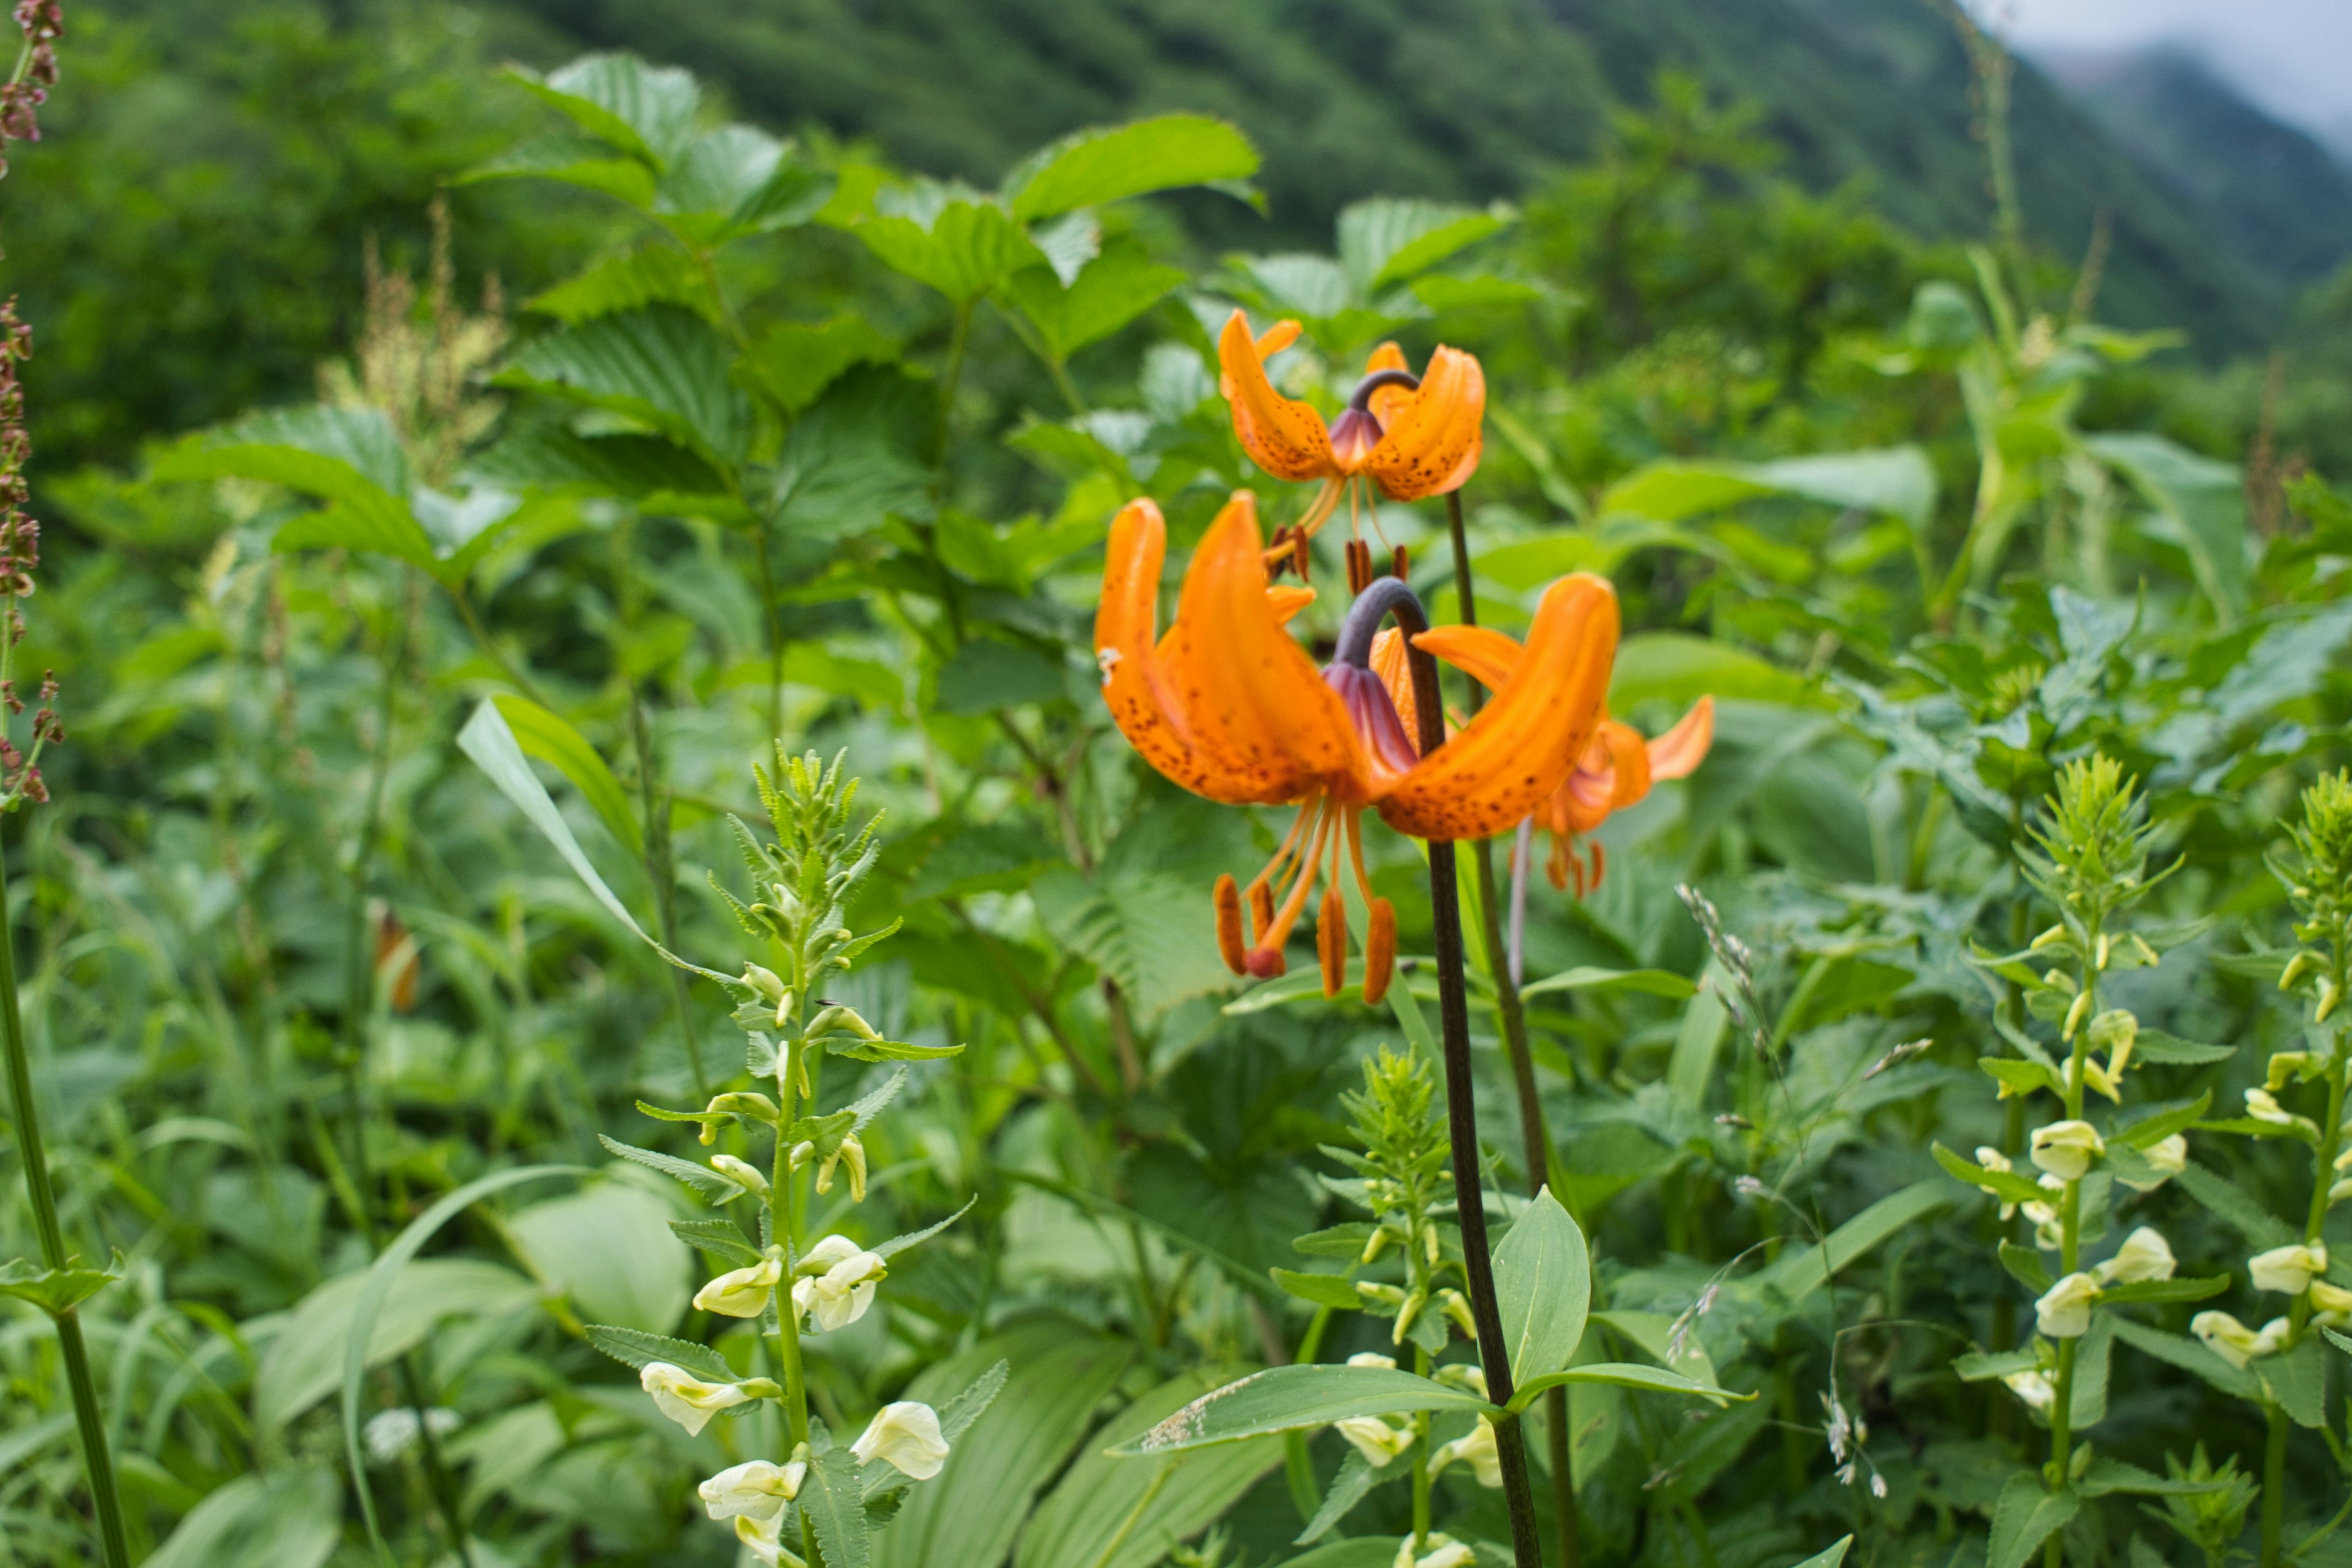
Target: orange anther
1261 896
1230 945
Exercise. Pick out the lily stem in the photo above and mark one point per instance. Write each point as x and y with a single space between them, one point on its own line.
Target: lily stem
1535 1137
87 1415
1461 1120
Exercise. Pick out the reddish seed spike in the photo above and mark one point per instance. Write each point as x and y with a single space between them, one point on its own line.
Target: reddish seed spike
1380 952
1331 942
1261 896
1230 946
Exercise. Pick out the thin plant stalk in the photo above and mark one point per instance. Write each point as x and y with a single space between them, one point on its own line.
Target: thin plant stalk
88 1414
2070 1248
1535 1137
1460 1111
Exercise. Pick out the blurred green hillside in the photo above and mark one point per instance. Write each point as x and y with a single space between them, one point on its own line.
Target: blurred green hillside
192 239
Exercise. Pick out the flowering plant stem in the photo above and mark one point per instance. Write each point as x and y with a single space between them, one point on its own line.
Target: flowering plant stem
88 1414
2069 1246
1462 1115
1535 1137
781 1222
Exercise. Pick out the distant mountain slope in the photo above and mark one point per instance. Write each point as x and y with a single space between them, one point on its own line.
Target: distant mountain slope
1474 99
2280 199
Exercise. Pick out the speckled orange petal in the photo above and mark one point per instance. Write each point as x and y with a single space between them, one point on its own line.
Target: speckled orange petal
1281 436
1487 655
1136 684
1254 703
1431 443
1389 662
1388 401
1677 752
1521 747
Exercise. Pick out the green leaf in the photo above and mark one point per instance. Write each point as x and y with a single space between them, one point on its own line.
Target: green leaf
637 1348
1321 1289
491 743
306 1359
55 1290
1977 1367
2155 1130
587 161
2189 1356
2019 1077
1798 1275
1355 1479
610 1249
1623 1375
833 1498
1091 167
961 247
348 458
2236 1207
1543 1287
716 1237
1389 240
722 171
2024 1517
899 1244
2172 1050
1829 1556
852 459
290 1517
630 280
548 456
1585 977
380 1283
543 735
1116 287
2007 1185
2093 1354
792 362
708 1183
1679 668
1285 1398
1151 931
1656 1335
2025 1265
1357 1552
1113 1512
645 110
2296 1381
2106 1478
1896 481
663 367
2204 501
1059 1374
2164 1290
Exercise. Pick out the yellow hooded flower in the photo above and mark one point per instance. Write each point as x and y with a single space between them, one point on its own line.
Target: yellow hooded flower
741 1292
756 1489
2145 1254
2066 1149
2064 1310
836 1283
2233 1341
2288 1269
905 1436
690 1402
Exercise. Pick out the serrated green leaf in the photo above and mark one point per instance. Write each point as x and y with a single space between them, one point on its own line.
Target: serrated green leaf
665 368
794 362
708 1183
55 1290
962 249
2236 1207
1389 240
1286 1398
630 280
1089 168
348 458
645 110
2189 1356
833 1498
2024 1517
1977 1367
2156 1129
719 1236
2025 1265
1113 289
2172 1050
899 1244
2009 1185
639 1349
2108 1477
2296 1381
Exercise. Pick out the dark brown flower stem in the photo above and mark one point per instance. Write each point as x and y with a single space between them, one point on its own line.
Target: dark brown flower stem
1461 1108
1535 1137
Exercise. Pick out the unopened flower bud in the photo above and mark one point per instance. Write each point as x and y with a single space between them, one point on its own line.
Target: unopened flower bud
2296 968
742 1172
2048 939
765 982
2075 1015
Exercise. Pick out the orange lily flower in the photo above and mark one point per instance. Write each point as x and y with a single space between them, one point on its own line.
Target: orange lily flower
1228 706
1412 436
1616 769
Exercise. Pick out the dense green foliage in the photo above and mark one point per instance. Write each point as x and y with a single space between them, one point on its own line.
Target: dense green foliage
388 904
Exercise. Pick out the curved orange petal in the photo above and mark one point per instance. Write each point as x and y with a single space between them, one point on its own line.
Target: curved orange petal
1281 436
1277 338
1256 707
1521 746
1288 600
1678 752
1431 444
1386 403
1487 655
1613 774
1395 672
1136 686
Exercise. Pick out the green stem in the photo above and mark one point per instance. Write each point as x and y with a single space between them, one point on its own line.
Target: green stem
661 866
2274 1484
482 638
951 376
776 637
2070 1246
88 1414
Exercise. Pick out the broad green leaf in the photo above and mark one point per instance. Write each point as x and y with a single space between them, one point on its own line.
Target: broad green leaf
1623 1375
794 362
2189 1356
1898 482
658 274
348 458
487 740
305 1360
1091 167
1656 1334
2296 1381
547 456
55 1290
645 110
1321 1289
1285 1398
290 1517
1388 240
1797 1275
1829 1556
717 173
639 1349
2236 1207
2024 1517
987 674
2093 1352
1676 668
2205 501
587 161
1115 288
1306 982
610 1249
720 1238
961 247
665 368
968 1516
854 458
1585 977
376 1289
1110 1513
543 735
1149 931
1543 1287
2024 1266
